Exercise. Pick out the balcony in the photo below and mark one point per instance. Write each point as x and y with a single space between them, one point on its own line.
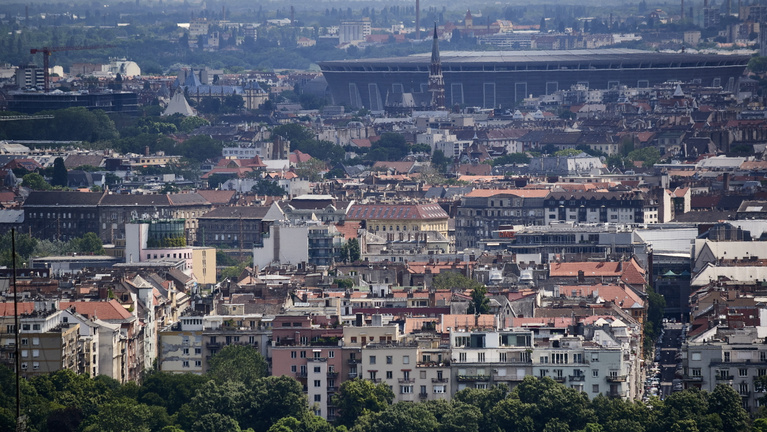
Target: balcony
375 380
353 361
332 389
470 378
301 374
423 395
616 395
617 378
439 380
213 345
693 378
406 381
725 377
577 378
352 375
559 379
744 393
332 374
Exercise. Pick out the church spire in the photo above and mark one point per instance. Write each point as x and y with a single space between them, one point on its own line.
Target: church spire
436 81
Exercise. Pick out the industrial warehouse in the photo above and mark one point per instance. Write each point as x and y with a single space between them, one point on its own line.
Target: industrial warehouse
501 79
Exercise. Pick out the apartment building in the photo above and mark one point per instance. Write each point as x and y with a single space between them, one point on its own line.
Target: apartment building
730 356
484 211
482 359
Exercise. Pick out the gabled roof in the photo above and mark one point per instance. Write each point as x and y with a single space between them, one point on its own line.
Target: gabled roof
108 311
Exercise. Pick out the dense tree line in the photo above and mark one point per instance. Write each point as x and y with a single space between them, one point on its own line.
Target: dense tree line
236 395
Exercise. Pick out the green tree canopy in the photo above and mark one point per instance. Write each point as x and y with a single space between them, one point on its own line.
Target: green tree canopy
356 397
455 281
241 363
35 181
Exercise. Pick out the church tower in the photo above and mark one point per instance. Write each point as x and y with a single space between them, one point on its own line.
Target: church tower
436 82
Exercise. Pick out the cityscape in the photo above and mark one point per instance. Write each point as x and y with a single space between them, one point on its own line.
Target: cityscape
350 216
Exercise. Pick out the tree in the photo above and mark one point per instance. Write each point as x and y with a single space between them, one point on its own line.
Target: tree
88 243
390 147
398 418
169 390
480 304
311 170
241 363
274 398
59 177
357 396
727 403
757 64
125 415
268 188
354 249
35 181
200 148
215 422
454 281
439 161
648 155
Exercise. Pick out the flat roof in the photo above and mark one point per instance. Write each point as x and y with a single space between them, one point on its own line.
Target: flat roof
613 55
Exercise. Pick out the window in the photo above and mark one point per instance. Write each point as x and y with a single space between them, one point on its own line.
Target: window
331 354
405 389
24 341
198 350
186 351
481 357
318 398
595 388
35 341
389 375
743 372
695 372
544 359
405 359
317 354
695 356
439 389
595 373
317 383
198 363
303 354
388 359
35 353
727 356
372 360
462 357
293 368
185 363
317 369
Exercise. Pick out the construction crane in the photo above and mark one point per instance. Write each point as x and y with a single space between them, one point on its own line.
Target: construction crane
47 53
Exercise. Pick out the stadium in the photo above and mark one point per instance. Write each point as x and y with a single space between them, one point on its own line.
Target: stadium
495 79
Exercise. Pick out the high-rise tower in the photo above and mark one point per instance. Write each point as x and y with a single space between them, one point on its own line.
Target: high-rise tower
436 81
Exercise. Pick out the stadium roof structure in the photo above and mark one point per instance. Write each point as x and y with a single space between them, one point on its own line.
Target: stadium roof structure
492 79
